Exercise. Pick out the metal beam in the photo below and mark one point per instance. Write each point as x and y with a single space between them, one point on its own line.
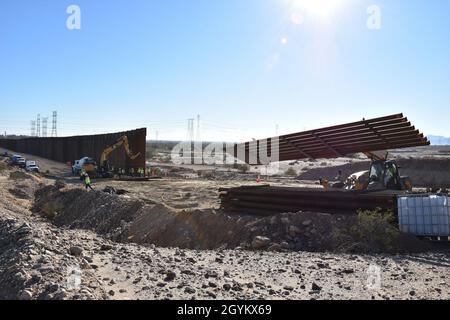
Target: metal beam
326 144
306 155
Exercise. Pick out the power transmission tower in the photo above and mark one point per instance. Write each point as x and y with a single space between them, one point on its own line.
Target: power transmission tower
54 119
44 127
190 133
197 138
38 126
33 128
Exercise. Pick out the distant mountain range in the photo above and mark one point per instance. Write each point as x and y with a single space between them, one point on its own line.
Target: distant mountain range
439 140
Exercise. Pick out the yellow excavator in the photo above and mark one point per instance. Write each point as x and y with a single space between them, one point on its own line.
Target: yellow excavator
105 170
382 175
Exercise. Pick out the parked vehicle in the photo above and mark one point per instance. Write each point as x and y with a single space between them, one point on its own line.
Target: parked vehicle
21 162
17 160
31 166
14 158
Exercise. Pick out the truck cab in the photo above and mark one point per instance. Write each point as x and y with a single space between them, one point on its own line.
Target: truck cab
85 164
384 175
17 160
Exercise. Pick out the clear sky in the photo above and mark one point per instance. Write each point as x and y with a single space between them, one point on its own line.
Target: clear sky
244 66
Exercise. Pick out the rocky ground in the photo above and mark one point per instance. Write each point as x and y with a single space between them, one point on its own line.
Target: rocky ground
43 260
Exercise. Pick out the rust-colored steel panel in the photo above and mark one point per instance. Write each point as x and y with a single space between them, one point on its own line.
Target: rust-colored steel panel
385 133
266 200
68 149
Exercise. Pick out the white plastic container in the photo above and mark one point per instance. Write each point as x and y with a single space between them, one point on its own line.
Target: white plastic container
424 215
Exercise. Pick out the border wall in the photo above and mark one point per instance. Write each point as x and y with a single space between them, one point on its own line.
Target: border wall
68 149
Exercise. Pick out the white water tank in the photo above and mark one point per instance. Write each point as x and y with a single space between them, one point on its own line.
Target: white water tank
424 215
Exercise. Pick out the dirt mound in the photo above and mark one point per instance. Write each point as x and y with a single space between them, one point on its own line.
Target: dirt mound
129 220
32 265
124 219
20 193
19 175
24 190
78 208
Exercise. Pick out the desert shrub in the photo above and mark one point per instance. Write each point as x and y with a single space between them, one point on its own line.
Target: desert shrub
291 172
374 232
242 167
375 228
3 166
19 175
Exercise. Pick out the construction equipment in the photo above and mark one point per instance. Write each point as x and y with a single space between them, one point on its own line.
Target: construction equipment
382 175
377 187
85 164
105 170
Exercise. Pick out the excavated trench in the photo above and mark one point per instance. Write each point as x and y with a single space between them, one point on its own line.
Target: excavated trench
124 219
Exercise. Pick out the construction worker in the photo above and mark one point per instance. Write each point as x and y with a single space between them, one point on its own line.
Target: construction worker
82 173
339 177
87 182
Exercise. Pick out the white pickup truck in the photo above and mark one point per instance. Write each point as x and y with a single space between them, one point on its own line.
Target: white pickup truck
31 166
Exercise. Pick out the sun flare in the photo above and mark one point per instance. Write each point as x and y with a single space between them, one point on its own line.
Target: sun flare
318 8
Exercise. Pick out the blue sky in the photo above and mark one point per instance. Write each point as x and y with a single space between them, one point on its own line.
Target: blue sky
244 66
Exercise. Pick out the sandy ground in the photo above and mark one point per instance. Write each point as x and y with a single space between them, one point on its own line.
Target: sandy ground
48 262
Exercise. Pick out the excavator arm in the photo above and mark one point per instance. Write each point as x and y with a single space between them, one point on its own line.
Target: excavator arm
121 141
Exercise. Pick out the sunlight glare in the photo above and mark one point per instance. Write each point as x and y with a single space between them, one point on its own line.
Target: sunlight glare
318 8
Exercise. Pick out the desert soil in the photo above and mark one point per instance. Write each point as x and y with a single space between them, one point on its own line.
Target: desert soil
40 260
